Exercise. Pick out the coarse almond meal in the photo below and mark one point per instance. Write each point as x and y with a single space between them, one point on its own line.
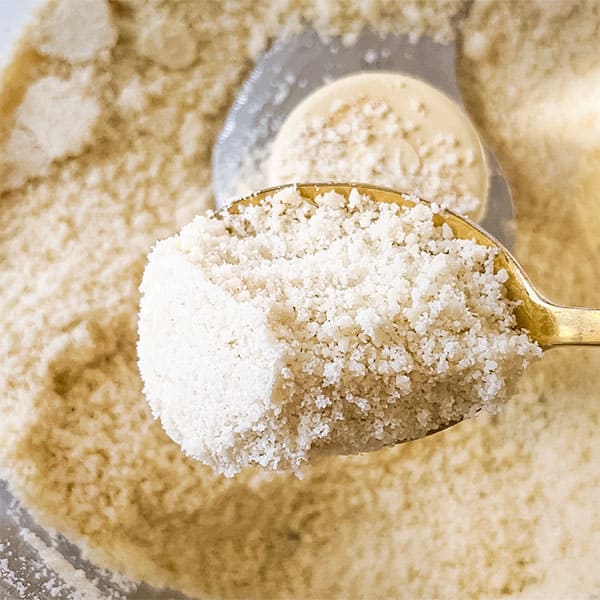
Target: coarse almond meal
499 506
290 330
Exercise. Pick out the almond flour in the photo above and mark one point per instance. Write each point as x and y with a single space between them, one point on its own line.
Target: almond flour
499 506
289 331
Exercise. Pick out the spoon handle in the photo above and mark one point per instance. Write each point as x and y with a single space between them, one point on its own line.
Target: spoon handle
574 326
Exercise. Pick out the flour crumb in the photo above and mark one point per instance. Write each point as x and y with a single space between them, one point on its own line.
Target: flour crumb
21 158
59 114
168 42
75 30
133 97
475 45
71 580
54 120
371 56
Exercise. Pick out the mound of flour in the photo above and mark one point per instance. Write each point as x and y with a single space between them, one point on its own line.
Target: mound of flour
290 330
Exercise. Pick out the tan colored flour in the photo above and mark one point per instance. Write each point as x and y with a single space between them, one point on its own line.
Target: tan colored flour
500 506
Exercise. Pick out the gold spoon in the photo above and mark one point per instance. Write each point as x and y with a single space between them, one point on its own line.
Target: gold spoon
547 323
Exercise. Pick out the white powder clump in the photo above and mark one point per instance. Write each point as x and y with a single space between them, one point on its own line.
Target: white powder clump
55 119
293 330
75 30
47 104
170 43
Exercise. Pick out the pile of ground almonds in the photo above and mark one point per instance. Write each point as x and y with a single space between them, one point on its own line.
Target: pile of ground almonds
288 330
106 129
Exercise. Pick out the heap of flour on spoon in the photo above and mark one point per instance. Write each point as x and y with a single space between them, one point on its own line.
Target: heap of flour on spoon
291 330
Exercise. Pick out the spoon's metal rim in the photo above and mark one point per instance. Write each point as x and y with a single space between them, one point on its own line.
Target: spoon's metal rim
547 323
